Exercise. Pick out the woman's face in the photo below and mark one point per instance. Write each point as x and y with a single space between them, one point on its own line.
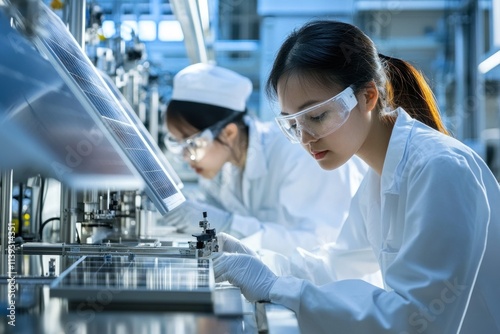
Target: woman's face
215 155
336 148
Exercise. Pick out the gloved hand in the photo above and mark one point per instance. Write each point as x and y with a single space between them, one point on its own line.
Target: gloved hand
186 217
228 243
248 273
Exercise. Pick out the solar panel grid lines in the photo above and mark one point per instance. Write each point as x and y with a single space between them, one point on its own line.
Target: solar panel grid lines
95 92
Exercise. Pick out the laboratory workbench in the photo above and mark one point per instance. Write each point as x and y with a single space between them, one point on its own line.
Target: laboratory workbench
232 314
39 310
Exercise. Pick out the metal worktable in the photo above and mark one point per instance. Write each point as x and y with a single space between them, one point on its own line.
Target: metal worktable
232 315
37 312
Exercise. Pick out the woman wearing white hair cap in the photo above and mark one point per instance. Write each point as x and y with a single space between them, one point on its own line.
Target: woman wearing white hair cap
256 185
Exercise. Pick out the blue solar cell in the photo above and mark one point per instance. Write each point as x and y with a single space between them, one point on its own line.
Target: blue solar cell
129 137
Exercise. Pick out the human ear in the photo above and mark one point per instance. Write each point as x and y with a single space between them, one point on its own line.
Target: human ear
370 94
229 133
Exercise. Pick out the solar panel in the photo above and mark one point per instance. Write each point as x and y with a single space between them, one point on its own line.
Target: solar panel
60 48
45 129
127 282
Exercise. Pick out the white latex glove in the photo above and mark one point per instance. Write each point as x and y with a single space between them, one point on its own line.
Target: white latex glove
187 216
248 273
228 243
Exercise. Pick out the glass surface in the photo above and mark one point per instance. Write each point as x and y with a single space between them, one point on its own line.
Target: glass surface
138 282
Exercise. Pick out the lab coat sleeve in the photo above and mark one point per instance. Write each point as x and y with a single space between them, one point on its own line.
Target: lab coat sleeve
313 203
429 279
273 236
203 193
351 256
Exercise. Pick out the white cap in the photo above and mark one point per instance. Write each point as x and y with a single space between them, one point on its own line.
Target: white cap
210 84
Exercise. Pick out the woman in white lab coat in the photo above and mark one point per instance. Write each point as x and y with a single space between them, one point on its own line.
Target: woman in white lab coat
427 214
254 183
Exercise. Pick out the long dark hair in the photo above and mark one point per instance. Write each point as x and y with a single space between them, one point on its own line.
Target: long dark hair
338 53
200 115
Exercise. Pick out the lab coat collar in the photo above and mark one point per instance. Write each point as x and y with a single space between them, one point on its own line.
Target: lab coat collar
395 157
255 166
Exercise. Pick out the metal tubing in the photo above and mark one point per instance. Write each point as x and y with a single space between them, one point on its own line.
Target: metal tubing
76 21
68 214
6 217
65 250
153 112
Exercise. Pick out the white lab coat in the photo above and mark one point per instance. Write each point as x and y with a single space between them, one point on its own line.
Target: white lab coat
283 199
423 223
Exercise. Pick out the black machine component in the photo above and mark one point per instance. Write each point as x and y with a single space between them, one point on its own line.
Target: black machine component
206 242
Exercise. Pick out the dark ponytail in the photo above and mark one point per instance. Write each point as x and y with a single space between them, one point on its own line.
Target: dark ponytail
338 53
407 88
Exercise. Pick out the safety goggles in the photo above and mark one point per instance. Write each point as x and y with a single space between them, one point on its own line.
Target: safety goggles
319 120
194 148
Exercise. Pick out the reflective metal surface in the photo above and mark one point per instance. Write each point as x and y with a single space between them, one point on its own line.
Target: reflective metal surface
5 217
280 320
231 315
193 17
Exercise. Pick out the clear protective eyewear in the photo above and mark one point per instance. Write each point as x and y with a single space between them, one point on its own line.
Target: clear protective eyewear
321 119
194 148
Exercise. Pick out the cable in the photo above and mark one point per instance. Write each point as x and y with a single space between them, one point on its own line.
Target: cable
78 241
40 204
41 264
45 223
